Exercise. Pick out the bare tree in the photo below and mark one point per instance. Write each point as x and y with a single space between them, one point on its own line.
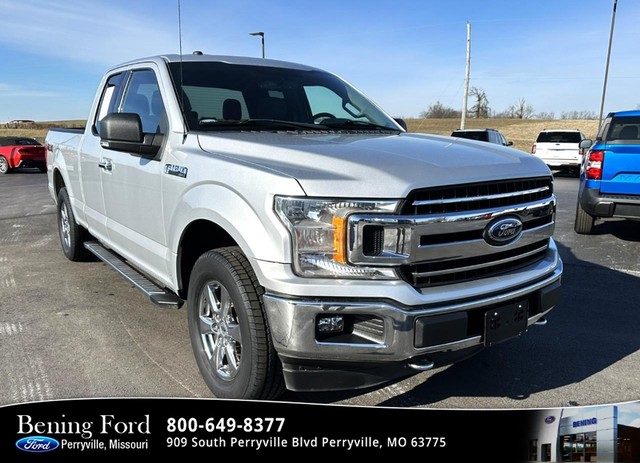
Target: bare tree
481 106
544 115
439 111
520 110
585 114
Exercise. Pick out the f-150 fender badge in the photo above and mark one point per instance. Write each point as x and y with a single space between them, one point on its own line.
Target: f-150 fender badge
178 171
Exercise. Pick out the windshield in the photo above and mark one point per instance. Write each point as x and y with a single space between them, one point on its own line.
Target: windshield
559 137
222 96
10 141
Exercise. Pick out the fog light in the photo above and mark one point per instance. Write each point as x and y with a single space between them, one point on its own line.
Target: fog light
330 324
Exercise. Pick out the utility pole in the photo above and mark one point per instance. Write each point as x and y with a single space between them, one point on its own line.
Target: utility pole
606 68
466 78
261 35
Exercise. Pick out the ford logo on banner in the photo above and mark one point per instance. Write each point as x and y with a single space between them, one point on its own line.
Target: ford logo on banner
502 231
37 444
549 419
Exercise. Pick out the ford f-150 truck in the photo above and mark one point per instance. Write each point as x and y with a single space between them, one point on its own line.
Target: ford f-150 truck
319 246
610 172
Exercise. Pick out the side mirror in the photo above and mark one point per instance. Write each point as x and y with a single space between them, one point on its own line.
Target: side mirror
509 143
401 123
586 144
123 132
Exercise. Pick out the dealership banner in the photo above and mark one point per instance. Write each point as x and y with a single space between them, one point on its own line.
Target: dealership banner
107 429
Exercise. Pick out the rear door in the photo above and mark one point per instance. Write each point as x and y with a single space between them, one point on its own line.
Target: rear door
621 167
91 173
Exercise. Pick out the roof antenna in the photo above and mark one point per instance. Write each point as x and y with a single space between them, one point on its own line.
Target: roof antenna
184 118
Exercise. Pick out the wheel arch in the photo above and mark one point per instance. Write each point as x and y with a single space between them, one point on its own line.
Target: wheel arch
58 182
198 237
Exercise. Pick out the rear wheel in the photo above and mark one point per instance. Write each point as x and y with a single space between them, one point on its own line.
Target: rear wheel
584 222
229 330
4 166
72 235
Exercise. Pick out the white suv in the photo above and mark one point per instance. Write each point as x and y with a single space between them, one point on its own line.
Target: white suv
559 148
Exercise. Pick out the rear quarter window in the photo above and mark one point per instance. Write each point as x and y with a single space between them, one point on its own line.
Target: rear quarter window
624 130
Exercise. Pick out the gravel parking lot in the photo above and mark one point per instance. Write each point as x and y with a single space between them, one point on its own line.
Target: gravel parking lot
72 330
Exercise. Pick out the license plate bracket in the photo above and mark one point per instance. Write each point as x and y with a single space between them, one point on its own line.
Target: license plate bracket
505 322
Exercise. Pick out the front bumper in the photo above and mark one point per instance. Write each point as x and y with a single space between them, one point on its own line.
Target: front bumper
383 340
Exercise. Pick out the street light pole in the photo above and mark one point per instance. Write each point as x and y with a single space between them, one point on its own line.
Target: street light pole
606 68
261 34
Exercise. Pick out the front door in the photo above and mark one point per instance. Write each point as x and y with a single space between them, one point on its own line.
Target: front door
133 184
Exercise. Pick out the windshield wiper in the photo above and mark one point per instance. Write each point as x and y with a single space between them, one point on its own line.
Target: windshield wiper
357 125
259 123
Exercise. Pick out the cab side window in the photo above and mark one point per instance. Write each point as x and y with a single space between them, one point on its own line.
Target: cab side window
143 98
110 97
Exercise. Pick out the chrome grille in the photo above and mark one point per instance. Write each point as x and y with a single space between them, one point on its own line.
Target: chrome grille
476 196
465 269
442 231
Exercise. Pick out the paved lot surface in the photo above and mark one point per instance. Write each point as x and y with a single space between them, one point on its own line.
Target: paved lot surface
79 330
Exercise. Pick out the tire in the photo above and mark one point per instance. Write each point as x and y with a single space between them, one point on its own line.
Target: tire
584 222
72 235
4 166
228 328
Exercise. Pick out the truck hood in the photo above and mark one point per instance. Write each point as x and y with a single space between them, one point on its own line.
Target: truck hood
373 165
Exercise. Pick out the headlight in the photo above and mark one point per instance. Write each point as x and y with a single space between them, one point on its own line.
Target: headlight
319 231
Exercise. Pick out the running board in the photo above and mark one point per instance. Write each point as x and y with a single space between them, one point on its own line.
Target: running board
157 295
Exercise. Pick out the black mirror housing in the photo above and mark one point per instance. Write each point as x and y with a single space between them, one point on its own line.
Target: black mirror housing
125 127
123 132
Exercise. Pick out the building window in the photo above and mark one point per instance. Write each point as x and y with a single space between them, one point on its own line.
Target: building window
533 450
545 450
579 447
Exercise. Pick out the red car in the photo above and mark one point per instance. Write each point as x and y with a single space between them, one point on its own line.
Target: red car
21 152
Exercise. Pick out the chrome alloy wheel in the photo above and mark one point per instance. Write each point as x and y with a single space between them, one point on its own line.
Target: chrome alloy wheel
4 165
65 226
220 330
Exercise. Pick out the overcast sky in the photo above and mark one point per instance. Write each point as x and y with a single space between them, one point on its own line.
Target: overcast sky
405 55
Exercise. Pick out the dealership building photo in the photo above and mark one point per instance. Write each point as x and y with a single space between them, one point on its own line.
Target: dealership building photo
591 434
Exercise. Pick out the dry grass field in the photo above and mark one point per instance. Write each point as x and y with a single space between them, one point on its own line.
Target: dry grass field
37 130
522 132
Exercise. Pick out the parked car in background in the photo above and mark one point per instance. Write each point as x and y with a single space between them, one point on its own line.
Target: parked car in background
488 135
610 173
559 148
21 152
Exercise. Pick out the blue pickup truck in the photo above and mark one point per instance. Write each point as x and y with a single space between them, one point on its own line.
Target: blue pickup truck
610 173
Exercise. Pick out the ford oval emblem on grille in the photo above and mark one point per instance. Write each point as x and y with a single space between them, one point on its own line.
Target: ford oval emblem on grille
503 231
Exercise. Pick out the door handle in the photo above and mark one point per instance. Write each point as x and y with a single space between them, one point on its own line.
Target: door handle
106 165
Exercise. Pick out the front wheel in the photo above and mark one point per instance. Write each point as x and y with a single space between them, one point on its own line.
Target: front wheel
229 330
584 222
4 166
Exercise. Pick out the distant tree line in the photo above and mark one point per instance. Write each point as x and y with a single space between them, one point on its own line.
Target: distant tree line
480 109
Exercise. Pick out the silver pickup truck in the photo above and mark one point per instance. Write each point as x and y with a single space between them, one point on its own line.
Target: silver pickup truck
318 244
